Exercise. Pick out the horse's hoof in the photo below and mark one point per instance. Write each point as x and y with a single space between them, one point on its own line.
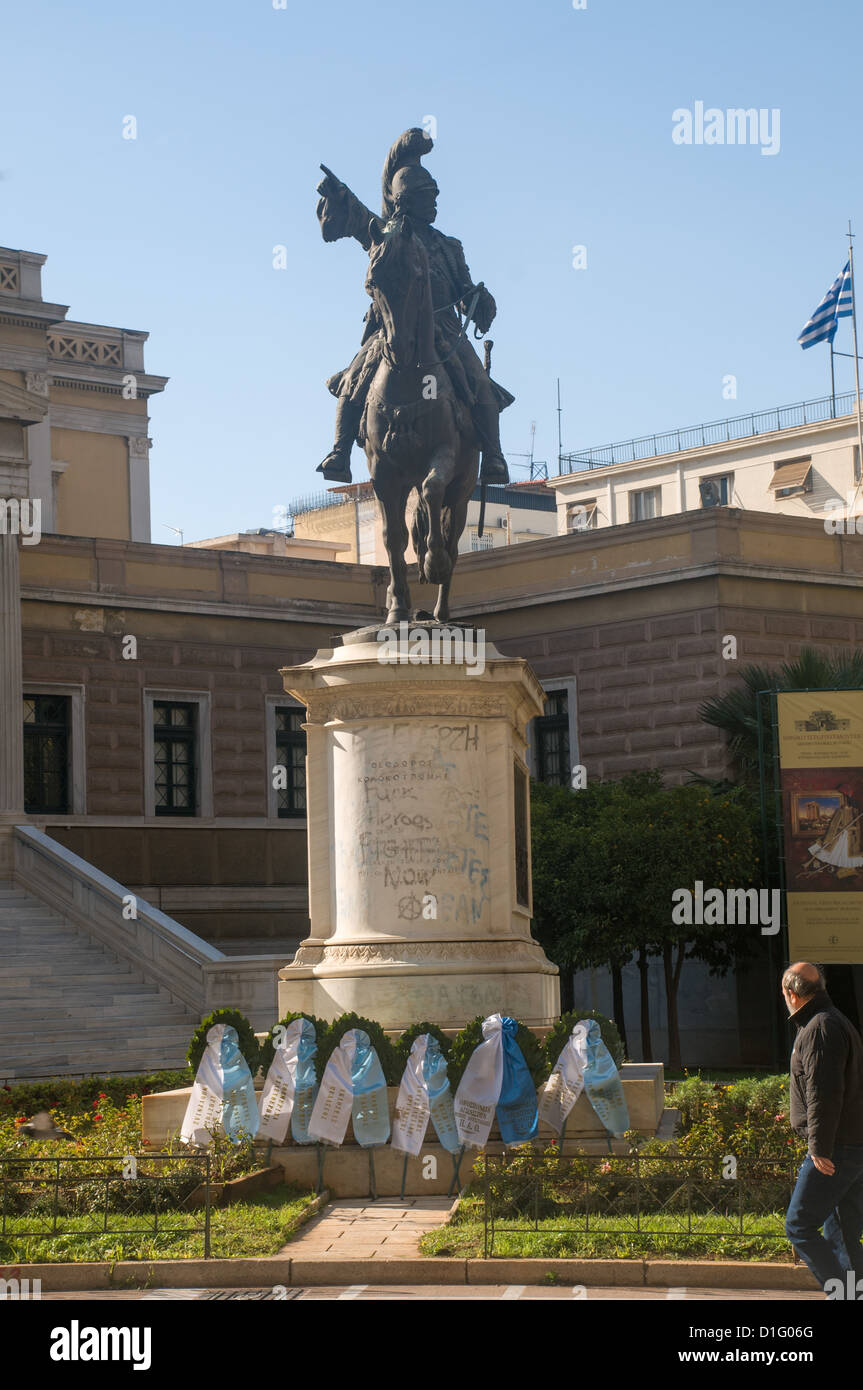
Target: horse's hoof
396 616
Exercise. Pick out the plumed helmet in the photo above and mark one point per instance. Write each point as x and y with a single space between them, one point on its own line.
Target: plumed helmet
402 168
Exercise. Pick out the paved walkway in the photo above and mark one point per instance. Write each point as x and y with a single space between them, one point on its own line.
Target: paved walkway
355 1228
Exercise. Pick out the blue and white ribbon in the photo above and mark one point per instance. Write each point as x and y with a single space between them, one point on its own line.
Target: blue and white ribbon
496 1078
353 1087
424 1093
585 1064
291 1085
223 1096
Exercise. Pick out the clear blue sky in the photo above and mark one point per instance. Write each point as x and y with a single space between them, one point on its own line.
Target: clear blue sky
554 129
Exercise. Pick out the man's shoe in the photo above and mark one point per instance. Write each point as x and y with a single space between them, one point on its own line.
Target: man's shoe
493 469
336 468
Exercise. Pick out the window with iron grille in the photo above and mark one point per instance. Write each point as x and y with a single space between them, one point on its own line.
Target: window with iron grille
175 730
46 754
291 754
551 733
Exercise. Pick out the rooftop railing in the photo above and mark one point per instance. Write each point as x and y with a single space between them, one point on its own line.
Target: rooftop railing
781 417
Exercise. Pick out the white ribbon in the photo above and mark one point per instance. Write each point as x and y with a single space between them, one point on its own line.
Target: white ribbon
412 1104
566 1083
332 1109
277 1100
479 1089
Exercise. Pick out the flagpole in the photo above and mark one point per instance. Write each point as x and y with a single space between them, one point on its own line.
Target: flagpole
856 363
832 382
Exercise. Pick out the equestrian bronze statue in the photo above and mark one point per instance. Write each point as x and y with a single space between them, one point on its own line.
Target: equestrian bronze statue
415 396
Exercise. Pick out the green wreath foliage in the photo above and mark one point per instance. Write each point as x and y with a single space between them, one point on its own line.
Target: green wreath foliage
387 1053
416 1030
245 1035
470 1037
268 1047
559 1035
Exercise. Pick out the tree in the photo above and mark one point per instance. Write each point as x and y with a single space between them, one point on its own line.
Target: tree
571 915
607 862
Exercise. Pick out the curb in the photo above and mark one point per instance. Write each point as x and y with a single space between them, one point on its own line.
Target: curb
263 1271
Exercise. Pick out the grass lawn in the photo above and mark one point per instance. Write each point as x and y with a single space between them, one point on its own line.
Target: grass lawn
260 1226
563 1237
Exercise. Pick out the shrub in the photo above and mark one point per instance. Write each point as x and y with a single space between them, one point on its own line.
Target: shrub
245 1033
389 1057
559 1035
75 1095
470 1037
268 1047
416 1030
747 1118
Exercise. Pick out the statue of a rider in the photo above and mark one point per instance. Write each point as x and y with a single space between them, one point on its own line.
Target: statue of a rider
409 190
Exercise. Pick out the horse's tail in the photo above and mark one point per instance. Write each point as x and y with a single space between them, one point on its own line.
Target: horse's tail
420 529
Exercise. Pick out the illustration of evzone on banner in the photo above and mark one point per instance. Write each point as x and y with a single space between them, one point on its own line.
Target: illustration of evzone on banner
821 768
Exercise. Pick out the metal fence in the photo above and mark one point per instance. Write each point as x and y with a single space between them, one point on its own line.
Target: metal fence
64 1189
623 1196
781 417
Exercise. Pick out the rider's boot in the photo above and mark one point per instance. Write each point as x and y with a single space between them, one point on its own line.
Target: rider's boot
486 420
336 467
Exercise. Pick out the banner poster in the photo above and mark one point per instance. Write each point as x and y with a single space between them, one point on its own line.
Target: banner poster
821 771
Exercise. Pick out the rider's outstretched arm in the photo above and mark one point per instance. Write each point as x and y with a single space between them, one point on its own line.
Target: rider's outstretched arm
340 211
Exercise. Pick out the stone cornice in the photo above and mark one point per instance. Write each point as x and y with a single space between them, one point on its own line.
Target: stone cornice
96 420
109 381
44 315
686 573
288 611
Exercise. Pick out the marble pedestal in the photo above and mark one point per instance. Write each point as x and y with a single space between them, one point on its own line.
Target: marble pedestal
419 840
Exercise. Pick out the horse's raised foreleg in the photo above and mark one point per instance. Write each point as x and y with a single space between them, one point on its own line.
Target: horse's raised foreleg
393 496
438 564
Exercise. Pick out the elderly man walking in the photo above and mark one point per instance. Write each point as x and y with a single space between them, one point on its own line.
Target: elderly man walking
826 1111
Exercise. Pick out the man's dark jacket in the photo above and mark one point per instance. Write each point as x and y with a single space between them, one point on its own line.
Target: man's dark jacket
826 1077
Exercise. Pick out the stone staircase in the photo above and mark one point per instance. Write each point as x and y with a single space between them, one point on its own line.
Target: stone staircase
69 1005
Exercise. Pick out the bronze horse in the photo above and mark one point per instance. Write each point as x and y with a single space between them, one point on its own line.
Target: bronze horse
417 435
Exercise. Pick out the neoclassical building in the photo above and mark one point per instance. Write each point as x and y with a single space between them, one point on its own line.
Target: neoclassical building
143 717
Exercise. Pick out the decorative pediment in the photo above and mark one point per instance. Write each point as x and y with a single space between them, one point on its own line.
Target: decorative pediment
16 403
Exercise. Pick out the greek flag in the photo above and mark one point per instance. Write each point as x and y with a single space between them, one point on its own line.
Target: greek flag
836 304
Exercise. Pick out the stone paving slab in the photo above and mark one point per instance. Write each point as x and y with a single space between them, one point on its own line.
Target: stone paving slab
359 1229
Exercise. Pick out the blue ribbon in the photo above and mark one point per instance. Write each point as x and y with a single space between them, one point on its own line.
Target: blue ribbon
370 1114
603 1085
239 1107
517 1115
306 1087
